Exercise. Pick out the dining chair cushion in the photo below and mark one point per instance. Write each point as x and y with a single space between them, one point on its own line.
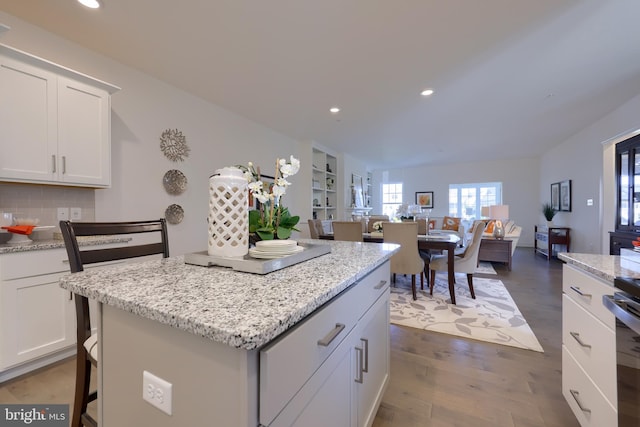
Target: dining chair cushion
91 345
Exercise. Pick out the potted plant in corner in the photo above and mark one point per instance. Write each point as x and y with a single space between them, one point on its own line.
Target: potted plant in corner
549 212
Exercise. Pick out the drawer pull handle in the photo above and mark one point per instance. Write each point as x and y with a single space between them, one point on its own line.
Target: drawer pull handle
575 395
331 335
64 164
579 292
53 162
576 336
365 342
359 361
380 285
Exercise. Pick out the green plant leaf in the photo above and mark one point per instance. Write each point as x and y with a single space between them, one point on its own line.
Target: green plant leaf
284 233
265 235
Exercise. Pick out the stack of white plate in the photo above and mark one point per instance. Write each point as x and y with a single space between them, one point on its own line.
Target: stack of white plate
272 249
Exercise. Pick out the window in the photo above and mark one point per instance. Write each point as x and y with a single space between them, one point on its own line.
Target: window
391 198
466 200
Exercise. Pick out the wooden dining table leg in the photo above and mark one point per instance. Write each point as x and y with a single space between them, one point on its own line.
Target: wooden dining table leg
452 277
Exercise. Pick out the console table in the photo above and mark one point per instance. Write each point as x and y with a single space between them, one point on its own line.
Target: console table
495 250
550 236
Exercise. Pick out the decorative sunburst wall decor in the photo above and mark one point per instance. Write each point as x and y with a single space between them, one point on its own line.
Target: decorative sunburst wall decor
174 145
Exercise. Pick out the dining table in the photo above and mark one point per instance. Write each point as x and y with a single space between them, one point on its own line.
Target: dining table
432 241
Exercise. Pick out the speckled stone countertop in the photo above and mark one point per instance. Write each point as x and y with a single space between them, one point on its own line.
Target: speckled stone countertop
607 267
39 245
242 310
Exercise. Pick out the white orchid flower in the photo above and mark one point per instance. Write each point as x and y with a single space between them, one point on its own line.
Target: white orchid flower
262 197
278 190
256 186
282 182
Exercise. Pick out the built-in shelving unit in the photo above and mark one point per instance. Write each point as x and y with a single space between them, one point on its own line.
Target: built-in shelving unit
324 185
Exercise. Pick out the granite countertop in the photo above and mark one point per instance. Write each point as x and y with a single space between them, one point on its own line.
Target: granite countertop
242 310
39 245
607 267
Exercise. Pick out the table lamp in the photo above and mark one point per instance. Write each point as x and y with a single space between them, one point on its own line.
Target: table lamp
500 213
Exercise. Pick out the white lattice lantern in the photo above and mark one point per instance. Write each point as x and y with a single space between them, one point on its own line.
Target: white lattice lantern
228 213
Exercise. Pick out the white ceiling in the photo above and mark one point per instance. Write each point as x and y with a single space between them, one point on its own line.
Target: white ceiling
512 77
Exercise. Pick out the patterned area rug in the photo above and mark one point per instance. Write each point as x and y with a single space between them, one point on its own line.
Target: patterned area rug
493 316
485 268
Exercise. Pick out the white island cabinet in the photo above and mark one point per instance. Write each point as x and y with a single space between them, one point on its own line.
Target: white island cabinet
56 123
307 345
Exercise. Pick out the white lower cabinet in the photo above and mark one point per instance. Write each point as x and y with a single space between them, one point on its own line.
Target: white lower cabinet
374 344
37 316
332 369
588 349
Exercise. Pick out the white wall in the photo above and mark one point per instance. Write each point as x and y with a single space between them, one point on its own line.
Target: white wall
589 163
141 111
519 179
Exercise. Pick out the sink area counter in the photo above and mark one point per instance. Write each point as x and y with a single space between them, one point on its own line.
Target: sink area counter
242 310
606 267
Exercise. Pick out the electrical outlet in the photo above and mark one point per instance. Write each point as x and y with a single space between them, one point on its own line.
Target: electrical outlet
157 391
63 214
76 214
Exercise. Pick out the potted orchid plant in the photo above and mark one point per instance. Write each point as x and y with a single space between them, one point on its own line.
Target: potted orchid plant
271 220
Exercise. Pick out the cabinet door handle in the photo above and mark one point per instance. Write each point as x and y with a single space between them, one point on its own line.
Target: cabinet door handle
64 164
53 162
380 285
359 363
576 336
331 335
575 395
579 292
365 342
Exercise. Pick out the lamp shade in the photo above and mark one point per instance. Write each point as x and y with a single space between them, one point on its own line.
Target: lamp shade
484 211
499 211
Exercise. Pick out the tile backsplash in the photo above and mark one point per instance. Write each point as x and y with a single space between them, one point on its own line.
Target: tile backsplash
43 201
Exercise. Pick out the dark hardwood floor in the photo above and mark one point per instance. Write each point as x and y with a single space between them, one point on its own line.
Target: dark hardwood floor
436 379
441 380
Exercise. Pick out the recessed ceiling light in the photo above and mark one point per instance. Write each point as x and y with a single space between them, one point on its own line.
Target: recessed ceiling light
93 4
334 110
427 92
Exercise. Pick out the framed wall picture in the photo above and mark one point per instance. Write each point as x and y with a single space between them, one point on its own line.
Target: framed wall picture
424 199
565 196
555 196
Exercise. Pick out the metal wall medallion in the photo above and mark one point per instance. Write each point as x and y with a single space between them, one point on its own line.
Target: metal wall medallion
174 181
174 214
174 145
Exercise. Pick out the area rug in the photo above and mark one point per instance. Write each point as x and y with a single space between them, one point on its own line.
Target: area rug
493 316
485 268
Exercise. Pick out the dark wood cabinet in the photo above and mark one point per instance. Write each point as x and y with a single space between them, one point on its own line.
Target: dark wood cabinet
547 237
627 226
619 240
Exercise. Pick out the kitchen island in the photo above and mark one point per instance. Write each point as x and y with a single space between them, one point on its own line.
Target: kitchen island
305 345
588 335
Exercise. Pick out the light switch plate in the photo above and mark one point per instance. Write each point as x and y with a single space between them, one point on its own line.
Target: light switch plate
63 214
76 214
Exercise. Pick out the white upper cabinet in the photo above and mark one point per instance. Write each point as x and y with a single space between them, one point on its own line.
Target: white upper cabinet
56 123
